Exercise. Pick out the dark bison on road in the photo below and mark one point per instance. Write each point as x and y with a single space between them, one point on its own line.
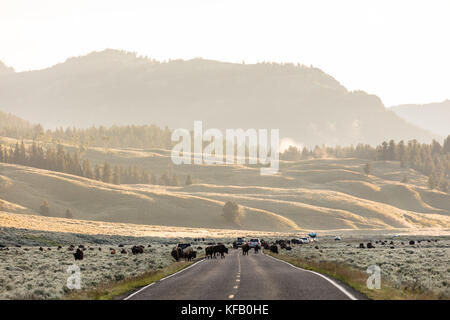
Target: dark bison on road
220 249
211 251
245 249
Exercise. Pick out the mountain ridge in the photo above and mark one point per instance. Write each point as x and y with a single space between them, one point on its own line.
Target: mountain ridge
305 103
434 117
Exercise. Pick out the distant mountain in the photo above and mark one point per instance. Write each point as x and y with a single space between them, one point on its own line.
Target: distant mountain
116 87
4 69
434 117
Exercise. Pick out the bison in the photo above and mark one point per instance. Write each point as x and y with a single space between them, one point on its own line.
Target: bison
78 254
189 254
137 249
220 249
273 248
176 253
245 249
209 251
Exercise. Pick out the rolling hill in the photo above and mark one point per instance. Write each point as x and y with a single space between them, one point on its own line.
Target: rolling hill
434 117
115 87
323 194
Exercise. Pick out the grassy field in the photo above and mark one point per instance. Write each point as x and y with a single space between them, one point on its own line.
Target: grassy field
31 273
419 271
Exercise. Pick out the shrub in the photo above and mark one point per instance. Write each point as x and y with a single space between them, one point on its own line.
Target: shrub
44 209
232 212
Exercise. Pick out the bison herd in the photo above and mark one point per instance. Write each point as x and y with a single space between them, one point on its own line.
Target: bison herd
391 244
187 253
221 249
79 253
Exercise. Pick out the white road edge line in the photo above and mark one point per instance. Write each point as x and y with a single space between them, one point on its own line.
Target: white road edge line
342 289
169 276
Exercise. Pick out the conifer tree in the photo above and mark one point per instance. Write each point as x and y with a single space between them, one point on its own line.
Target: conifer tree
116 175
107 173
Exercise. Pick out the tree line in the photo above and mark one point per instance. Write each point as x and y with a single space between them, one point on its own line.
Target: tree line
432 160
145 136
57 159
132 136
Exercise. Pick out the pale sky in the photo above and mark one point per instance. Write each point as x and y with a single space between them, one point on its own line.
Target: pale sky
398 50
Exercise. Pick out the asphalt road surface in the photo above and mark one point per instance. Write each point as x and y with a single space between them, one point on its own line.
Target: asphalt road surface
252 277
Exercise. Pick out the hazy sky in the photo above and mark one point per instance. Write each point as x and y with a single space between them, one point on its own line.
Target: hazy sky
399 50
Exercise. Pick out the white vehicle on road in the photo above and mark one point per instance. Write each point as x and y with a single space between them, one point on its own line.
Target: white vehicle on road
254 242
304 240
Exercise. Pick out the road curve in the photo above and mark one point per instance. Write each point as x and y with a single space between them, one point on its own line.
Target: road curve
238 277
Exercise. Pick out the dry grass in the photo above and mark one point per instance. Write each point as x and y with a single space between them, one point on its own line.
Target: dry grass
88 227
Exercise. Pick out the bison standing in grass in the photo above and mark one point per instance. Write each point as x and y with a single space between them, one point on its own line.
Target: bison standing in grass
176 253
78 255
137 249
189 254
274 248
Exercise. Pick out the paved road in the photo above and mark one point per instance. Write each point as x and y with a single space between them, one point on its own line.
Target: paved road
252 277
